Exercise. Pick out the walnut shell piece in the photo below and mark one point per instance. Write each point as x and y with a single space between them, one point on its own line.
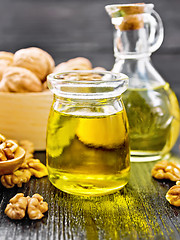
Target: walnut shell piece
173 195
166 170
36 207
18 79
16 209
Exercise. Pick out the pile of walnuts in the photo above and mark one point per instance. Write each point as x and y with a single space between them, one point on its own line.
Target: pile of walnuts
30 167
170 171
78 63
7 149
18 205
25 71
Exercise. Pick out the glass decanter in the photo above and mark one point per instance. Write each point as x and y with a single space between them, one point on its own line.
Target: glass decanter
152 107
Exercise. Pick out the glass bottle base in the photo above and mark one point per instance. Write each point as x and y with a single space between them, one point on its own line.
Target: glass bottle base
89 186
147 157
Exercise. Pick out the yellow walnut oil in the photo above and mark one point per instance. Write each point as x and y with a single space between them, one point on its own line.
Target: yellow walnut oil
154 120
88 154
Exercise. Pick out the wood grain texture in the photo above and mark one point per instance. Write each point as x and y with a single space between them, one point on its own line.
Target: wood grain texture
25 116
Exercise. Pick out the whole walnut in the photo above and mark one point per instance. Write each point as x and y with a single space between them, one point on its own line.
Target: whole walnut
49 59
3 66
7 56
79 63
6 59
99 69
36 60
18 79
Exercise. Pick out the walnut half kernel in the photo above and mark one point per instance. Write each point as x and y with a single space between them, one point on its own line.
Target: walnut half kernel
173 195
7 149
18 205
16 208
166 170
36 207
30 166
170 171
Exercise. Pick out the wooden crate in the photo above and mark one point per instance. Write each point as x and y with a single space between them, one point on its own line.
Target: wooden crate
25 116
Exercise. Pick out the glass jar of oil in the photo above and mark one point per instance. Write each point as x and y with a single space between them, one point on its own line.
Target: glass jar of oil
87 135
151 105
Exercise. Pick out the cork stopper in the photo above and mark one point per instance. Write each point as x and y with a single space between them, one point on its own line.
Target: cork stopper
128 16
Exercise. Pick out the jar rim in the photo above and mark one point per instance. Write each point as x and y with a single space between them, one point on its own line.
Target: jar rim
87 84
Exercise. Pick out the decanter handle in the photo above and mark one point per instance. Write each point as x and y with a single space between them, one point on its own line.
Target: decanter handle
156 34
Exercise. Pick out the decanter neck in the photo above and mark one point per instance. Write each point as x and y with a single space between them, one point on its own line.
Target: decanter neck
131 66
131 44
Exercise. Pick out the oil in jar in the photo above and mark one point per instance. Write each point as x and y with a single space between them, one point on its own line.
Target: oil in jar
88 154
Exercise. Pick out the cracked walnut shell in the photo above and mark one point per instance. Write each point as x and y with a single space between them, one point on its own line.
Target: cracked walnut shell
166 170
18 79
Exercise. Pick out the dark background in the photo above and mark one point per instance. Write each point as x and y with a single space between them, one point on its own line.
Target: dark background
70 28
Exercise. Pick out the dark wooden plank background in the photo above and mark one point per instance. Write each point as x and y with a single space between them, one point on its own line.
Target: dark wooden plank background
67 29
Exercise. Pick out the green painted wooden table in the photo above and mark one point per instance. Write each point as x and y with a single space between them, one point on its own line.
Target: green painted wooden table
139 211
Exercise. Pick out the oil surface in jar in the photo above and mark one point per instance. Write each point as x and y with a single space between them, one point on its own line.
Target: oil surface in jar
154 120
88 155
